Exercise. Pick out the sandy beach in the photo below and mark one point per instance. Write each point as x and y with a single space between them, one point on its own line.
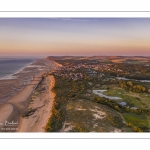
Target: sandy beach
36 96
17 104
42 104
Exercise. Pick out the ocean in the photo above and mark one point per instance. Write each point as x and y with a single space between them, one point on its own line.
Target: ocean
15 73
9 66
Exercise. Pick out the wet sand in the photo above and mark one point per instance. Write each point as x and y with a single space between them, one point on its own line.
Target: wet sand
17 104
18 81
12 110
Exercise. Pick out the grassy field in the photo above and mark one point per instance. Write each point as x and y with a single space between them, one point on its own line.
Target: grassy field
139 100
140 121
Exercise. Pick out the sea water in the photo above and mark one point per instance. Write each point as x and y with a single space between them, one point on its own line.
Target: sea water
11 72
9 66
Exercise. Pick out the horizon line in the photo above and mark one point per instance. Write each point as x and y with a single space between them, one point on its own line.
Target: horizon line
74 56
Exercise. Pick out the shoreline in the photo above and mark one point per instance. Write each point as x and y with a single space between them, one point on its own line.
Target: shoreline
12 108
21 76
10 76
10 87
37 97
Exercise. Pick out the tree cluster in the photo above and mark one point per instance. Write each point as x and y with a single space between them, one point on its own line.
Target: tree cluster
128 85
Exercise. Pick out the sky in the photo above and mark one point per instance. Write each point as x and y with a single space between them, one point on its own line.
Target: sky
74 36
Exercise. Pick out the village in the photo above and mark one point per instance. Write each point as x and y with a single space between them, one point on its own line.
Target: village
78 71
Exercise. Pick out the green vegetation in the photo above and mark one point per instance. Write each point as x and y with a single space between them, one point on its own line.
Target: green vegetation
137 117
68 107
128 85
68 92
126 97
78 109
138 123
65 91
55 122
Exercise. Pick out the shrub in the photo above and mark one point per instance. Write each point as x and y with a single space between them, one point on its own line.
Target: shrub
137 129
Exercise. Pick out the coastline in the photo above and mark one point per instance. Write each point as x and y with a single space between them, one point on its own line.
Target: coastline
11 86
12 110
10 76
17 104
23 76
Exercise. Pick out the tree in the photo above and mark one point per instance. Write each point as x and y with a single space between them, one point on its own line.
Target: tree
129 83
139 88
116 107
